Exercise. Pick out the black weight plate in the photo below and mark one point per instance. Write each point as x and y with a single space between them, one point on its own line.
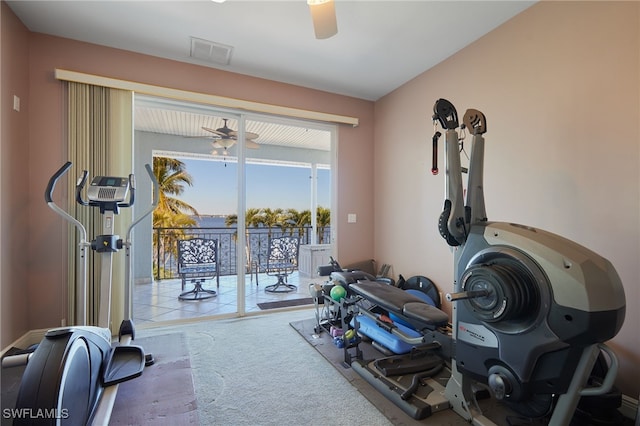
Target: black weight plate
424 285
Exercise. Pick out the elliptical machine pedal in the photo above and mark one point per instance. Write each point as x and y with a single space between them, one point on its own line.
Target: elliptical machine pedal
127 328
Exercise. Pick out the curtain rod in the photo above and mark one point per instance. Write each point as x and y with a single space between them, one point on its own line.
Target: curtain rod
184 95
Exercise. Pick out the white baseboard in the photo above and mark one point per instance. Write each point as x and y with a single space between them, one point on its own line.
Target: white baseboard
31 337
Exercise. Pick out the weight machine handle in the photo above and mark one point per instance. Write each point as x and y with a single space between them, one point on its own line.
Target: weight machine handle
434 157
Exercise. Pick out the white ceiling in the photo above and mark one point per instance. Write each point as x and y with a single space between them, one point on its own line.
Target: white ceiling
379 46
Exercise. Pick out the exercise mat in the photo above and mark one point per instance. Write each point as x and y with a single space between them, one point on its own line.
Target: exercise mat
285 303
164 394
323 343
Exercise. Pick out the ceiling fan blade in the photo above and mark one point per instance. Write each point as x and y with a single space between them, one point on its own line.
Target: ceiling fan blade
251 144
215 132
323 14
247 135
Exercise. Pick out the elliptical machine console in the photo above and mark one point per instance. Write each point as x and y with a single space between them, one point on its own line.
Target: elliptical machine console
73 374
108 188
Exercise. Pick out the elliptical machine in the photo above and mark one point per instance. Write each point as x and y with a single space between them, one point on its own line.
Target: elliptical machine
73 375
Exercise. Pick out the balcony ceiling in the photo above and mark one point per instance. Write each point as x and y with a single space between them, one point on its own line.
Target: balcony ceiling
380 45
187 120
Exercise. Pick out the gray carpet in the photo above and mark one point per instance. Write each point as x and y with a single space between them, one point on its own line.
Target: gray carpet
164 394
257 371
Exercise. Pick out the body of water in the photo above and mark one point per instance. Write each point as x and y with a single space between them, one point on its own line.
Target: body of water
218 222
212 222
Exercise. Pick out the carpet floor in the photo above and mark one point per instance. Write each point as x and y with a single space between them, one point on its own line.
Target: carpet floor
256 371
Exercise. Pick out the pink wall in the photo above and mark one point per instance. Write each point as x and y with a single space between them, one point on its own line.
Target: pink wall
46 152
560 87
14 177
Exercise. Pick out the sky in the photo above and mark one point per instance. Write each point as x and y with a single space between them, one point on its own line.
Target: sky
214 190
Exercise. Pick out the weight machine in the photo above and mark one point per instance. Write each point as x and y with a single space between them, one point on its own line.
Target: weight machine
531 310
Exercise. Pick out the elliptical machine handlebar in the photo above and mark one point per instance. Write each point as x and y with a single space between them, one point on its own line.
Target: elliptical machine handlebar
82 180
132 193
48 194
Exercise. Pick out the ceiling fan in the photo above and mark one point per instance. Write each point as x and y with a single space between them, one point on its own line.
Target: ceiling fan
224 137
323 14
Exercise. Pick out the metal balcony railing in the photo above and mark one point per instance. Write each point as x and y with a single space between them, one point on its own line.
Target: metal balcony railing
165 246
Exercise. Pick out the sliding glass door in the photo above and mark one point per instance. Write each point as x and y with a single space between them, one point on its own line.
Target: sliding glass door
288 188
238 179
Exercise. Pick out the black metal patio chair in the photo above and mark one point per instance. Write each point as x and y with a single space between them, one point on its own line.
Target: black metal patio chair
197 262
282 260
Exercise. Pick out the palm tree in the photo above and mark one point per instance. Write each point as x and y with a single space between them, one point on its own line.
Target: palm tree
172 176
171 212
271 218
323 219
298 220
252 218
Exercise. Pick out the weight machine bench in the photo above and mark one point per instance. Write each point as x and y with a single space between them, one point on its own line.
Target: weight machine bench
423 349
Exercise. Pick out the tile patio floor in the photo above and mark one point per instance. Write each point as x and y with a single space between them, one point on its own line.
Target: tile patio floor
158 301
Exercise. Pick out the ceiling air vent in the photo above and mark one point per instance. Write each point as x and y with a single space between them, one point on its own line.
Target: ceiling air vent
210 51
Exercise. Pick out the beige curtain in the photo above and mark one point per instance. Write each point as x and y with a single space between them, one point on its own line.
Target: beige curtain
100 135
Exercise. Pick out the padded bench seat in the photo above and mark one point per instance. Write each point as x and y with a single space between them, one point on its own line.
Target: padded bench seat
424 312
398 301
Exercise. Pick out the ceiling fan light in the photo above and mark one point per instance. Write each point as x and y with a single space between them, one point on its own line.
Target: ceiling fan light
225 143
323 14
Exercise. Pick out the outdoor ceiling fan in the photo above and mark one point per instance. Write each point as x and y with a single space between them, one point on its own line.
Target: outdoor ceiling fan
323 14
224 137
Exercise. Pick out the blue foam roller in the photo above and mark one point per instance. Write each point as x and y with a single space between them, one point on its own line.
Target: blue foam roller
369 328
